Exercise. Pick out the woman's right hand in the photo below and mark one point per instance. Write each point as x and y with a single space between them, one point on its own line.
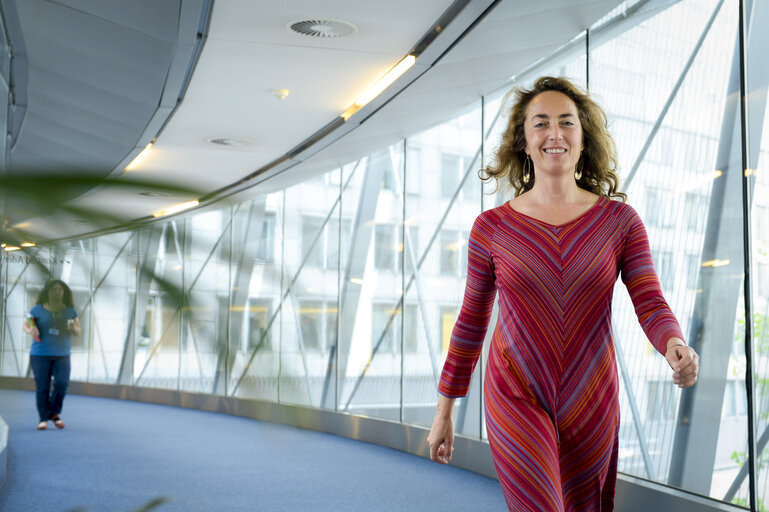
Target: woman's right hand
441 438
32 330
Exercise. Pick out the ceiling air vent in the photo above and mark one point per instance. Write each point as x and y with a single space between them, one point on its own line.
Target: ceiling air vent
322 28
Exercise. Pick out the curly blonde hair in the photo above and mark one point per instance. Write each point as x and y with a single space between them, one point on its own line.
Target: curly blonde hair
599 156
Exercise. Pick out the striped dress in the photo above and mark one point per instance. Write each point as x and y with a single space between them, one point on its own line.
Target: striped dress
551 388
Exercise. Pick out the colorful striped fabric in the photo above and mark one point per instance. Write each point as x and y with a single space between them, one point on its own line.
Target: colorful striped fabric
551 387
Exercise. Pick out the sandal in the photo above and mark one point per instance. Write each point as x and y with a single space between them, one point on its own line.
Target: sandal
58 421
43 425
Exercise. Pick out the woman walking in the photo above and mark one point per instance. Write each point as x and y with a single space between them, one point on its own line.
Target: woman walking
51 322
553 254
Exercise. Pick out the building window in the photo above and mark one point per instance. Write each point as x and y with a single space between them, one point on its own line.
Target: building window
311 317
413 248
448 318
325 252
317 323
451 168
259 315
332 240
312 254
692 271
735 401
665 269
387 248
410 326
451 252
693 212
381 314
413 170
659 208
381 162
265 253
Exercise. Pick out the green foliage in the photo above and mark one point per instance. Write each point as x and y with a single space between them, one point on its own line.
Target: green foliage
760 332
50 195
743 502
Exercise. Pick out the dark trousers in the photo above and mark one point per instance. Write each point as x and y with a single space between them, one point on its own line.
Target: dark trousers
49 401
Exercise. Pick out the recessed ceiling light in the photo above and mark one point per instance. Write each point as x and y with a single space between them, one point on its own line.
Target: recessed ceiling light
229 142
322 28
155 194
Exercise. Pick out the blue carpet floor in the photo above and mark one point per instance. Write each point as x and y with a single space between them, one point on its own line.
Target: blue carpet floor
117 455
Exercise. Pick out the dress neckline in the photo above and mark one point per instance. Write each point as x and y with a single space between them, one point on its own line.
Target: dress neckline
557 226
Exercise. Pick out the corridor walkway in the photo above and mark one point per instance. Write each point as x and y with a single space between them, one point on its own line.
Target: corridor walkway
116 456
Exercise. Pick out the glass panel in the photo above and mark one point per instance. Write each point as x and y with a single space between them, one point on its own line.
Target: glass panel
680 167
371 289
254 357
158 344
204 321
448 154
311 289
758 178
112 304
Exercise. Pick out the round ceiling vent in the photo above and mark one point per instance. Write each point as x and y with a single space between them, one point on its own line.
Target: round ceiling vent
322 28
229 142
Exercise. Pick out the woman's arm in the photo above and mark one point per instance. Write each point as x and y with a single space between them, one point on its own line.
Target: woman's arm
654 314
466 338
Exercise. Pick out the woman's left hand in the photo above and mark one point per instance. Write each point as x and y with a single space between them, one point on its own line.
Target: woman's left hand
684 361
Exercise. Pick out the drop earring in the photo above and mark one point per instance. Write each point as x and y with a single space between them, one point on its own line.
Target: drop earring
526 170
578 171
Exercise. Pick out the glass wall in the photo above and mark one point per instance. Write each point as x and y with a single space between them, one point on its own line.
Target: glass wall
341 292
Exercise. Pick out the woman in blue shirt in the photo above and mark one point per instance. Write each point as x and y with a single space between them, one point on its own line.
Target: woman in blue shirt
51 323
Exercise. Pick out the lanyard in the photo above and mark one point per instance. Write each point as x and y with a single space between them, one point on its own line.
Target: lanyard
53 314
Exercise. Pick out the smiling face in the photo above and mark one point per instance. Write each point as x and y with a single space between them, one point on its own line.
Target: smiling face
553 134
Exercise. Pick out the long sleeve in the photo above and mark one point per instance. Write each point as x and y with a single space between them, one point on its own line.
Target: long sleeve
654 314
473 321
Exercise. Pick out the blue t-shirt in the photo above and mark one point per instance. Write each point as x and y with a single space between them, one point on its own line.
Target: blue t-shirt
55 336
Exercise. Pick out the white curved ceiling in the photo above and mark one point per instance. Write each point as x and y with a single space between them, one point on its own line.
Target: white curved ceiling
249 52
